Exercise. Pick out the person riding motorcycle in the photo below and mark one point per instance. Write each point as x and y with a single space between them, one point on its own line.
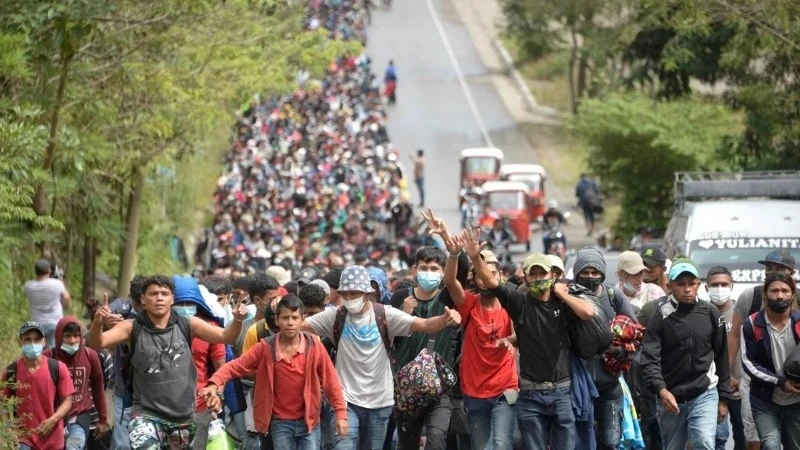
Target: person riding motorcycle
469 200
499 238
552 221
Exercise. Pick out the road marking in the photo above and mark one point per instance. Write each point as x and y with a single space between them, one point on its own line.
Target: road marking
459 74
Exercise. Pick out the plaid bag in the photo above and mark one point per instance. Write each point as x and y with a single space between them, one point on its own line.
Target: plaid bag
421 383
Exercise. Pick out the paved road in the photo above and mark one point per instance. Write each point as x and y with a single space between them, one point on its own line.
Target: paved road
433 111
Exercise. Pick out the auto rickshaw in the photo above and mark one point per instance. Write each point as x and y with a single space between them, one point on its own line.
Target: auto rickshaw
480 165
509 199
534 176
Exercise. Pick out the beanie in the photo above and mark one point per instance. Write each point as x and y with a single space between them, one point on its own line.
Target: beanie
589 257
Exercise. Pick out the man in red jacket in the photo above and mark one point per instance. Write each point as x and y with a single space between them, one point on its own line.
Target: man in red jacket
292 370
87 379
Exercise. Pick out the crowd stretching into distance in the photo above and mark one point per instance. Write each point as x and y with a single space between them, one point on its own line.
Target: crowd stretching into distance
324 318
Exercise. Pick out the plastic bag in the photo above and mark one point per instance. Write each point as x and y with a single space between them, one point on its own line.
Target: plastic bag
588 338
218 438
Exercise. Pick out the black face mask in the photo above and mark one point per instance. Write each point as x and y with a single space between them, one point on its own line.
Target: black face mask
779 306
589 283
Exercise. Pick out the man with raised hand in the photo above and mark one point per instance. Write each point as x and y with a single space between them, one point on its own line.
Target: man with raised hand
163 372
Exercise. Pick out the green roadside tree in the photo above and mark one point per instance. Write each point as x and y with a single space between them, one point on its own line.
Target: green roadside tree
637 144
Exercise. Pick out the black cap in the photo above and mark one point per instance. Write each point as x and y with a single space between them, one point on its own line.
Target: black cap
303 281
654 256
28 326
332 278
781 257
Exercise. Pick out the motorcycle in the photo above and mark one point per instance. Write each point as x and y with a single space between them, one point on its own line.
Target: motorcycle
500 247
555 241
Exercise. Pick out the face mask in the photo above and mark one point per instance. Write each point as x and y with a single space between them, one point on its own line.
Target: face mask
354 306
719 295
628 287
70 349
251 312
538 288
429 281
779 305
589 283
186 311
32 351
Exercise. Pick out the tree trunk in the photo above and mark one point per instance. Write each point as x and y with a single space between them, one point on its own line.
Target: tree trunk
89 264
39 199
127 261
573 57
583 67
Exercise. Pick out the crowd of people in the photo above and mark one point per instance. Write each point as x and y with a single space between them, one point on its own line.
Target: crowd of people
320 362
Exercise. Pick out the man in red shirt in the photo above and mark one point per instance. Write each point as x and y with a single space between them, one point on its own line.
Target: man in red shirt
87 379
292 370
488 371
40 383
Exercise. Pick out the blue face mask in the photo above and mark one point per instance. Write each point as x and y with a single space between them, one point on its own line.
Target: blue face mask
32 351
251 312
70 349
429 281
186 311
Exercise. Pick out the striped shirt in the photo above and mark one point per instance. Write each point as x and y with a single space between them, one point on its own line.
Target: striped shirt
44 299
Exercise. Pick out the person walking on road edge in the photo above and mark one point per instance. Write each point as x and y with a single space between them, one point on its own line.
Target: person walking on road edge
390 81
419 175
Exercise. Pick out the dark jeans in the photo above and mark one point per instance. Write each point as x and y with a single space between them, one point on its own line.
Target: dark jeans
436 420
735 413
546 413
608 413
648 418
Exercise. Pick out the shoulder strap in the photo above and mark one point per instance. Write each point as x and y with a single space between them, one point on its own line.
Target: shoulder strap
261 329
271 343
338 326
11 378
755 307
52 366
383 326
185 329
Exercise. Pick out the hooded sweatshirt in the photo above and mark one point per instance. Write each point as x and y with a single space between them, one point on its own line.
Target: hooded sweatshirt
86 372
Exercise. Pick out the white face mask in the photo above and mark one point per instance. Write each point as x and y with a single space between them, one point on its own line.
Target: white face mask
719 295
354 306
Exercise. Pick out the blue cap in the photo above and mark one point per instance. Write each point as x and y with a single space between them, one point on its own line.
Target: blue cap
681 266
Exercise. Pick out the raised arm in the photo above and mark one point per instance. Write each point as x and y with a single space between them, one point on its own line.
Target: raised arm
455 246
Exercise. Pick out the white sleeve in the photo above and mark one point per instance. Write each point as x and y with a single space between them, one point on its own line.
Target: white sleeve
398 322
322 323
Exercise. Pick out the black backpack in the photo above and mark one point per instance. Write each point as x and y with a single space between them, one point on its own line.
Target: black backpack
11 379
755 307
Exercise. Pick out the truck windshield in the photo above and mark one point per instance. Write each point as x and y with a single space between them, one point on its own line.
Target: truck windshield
742 262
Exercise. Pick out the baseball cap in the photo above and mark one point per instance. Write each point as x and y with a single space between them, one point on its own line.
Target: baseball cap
536 259
323 285
333 277
355 278
489 257
681 266
781 257
630 262
279 273
555 261
653 256
30 325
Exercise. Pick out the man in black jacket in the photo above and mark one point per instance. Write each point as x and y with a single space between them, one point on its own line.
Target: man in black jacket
685 362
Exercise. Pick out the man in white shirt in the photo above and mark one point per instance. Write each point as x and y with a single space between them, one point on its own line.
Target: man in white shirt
47 298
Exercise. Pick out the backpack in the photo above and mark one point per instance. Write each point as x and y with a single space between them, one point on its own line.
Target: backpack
758 332
755 307
380 320
183 325
262 331
11 379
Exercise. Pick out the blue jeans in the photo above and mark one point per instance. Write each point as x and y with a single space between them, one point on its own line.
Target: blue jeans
546 413
24 447
778 425
696 421
293 434
119 436
366 428
76 437
421 189
608 413
723 434
49 329
491 422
